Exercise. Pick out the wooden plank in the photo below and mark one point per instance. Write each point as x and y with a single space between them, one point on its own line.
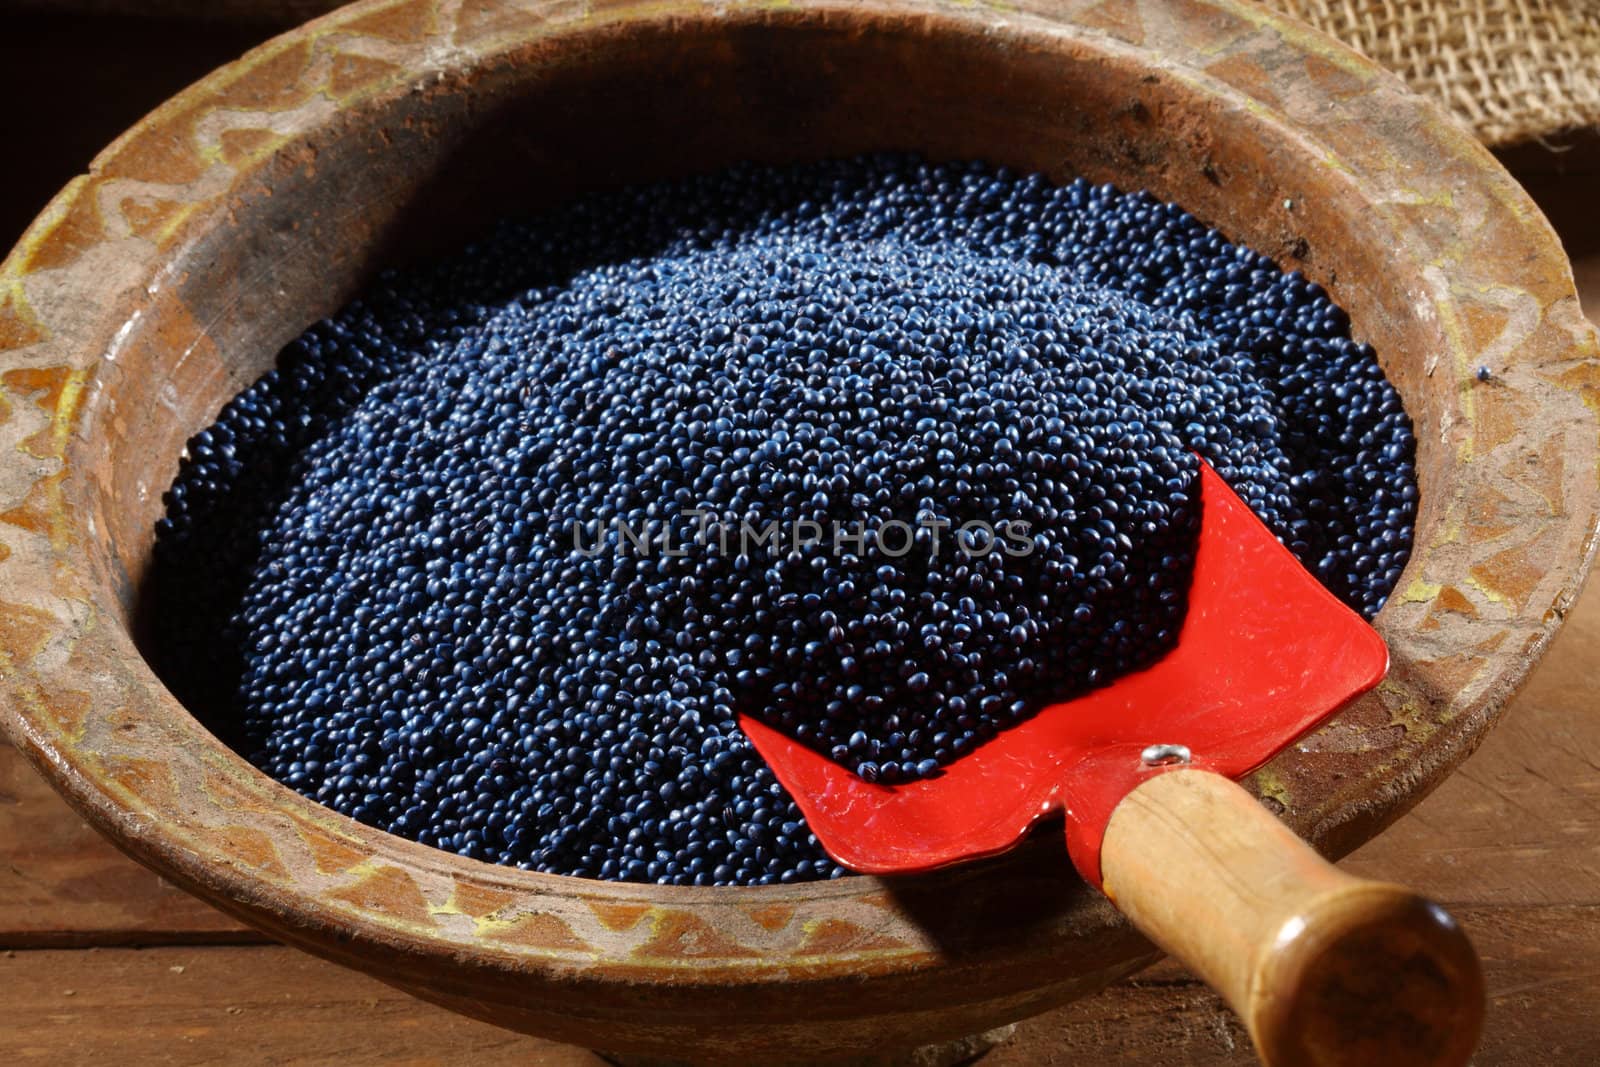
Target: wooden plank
206 1004
259 1004
61 883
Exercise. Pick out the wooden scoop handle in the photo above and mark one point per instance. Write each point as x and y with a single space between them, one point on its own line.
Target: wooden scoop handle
1324 968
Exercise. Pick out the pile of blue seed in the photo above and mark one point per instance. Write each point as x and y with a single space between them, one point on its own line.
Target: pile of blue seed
473 563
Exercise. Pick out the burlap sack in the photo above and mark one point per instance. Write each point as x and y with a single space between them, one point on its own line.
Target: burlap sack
1513 70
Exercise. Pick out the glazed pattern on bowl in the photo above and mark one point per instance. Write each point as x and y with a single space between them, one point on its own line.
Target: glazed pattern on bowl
166 279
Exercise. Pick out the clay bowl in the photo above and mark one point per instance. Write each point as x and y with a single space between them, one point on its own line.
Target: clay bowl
257 201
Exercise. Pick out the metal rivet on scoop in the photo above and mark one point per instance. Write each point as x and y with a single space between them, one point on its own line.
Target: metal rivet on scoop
1164 755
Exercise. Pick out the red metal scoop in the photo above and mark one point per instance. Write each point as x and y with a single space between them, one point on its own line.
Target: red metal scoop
1324 968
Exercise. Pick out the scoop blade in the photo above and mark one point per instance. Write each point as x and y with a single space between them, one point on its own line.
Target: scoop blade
1265 654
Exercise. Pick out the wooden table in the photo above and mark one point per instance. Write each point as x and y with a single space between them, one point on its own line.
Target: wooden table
100 959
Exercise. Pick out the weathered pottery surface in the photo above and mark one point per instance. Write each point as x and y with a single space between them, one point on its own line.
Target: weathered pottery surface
168 277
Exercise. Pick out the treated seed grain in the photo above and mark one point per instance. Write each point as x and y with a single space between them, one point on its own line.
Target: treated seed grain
473 563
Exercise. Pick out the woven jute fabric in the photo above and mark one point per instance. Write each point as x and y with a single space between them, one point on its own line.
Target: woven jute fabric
1513 70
